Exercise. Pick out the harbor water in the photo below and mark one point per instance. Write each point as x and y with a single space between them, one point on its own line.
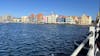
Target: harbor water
39 39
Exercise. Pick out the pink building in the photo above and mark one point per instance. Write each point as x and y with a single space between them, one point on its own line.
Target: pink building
45 19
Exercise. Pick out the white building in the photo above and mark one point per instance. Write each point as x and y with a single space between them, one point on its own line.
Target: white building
16 20
25 19
1 19
6 19
70 20
52 18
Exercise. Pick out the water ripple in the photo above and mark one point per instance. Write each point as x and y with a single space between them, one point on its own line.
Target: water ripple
39 40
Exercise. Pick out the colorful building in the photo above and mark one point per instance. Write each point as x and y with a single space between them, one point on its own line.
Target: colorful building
52 18
75 18
6 19
32 18
79 20
61 19
16 20
70 20
25 19
1 20
45 19
39 18
85 20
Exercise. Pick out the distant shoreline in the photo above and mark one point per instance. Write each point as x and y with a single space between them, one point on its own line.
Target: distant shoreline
50 23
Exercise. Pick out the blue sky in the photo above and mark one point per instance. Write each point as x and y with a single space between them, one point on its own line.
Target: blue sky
19 8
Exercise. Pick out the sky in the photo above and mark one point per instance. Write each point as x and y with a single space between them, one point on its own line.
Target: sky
18 8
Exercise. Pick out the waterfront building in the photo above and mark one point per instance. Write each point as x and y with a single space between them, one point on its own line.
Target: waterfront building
1 19
25 19
39 18
45 19
85 20
70 20
6 19
75 18
52 18
16 20
32 18
79 20
61 19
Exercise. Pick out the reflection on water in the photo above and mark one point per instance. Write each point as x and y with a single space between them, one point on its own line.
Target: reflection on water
39 40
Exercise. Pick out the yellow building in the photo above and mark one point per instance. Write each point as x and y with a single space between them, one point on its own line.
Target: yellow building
25 19
85 20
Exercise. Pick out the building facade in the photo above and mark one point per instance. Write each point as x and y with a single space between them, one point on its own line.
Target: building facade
6 19
52 18
25 19
61 19
85 20
75 18
39 18
33 19
16 20
1 20
45 19
70 20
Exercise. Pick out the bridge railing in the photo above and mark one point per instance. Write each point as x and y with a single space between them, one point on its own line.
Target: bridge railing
91 39
97 35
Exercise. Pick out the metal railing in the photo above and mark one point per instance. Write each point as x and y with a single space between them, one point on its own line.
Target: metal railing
97 34
90 38
92 43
